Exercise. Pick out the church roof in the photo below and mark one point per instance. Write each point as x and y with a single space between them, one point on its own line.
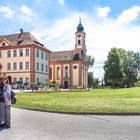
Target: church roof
80 27
62 56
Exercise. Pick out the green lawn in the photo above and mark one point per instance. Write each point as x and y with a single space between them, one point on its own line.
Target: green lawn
98 100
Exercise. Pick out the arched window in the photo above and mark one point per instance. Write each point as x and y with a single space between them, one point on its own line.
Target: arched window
58 73
79 42
50 72
66 72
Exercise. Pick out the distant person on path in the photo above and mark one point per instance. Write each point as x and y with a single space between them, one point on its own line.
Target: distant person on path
7 98
2 104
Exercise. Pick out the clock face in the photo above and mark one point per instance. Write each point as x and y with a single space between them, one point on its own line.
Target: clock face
79 35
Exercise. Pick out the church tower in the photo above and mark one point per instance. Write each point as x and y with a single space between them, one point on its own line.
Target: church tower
80 47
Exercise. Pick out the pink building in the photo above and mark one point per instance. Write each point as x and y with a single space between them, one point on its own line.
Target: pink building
68 68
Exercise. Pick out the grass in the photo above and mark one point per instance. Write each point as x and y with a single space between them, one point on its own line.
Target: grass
98 100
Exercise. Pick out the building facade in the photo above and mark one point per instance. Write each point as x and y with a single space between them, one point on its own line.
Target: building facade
23 58
68 68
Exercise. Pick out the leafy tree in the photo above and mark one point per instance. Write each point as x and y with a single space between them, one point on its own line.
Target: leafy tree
121 68
90 79
96 82
113 71
89 60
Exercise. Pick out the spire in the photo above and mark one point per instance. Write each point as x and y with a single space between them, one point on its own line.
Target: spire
80 27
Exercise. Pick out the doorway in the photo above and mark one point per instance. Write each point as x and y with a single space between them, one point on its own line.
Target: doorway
66 84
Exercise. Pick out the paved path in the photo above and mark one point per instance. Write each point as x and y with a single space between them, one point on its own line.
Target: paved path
32 125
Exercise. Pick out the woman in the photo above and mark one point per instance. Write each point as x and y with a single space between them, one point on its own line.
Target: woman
7 99
2 104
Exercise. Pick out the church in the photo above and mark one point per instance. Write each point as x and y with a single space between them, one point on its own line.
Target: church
68 68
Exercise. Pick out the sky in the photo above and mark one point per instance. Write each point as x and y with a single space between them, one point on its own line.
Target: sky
107 23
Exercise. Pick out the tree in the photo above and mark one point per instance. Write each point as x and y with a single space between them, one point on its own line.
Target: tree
90 61
113 70
90 79
96 82
121 68
131 68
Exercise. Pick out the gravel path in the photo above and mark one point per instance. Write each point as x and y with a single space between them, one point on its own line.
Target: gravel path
35 125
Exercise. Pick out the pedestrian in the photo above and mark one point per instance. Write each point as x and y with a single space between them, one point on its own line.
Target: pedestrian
2 104
7 98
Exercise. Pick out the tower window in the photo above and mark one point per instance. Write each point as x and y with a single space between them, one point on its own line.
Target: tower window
79 42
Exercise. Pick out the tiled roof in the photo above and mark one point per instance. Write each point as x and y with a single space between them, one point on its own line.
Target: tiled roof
62 56
24 38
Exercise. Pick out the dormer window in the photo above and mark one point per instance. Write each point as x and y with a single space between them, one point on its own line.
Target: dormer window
3 44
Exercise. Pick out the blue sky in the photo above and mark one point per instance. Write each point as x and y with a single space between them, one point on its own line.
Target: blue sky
107 23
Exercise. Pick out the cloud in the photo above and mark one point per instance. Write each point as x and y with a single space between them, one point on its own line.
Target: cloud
7 11
103 12
101 36
26 13
61 2
129 15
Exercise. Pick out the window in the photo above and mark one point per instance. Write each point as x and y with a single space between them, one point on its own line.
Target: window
8 53
79 41
50 72
14 53
42 54
66 72
27 80
20 52
42 67
37 66
14 66
37 53
21 79
8 66
0 54
58 73
27 52
37 80
20 65
14 80
3 44
46 68
46 56
27 65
